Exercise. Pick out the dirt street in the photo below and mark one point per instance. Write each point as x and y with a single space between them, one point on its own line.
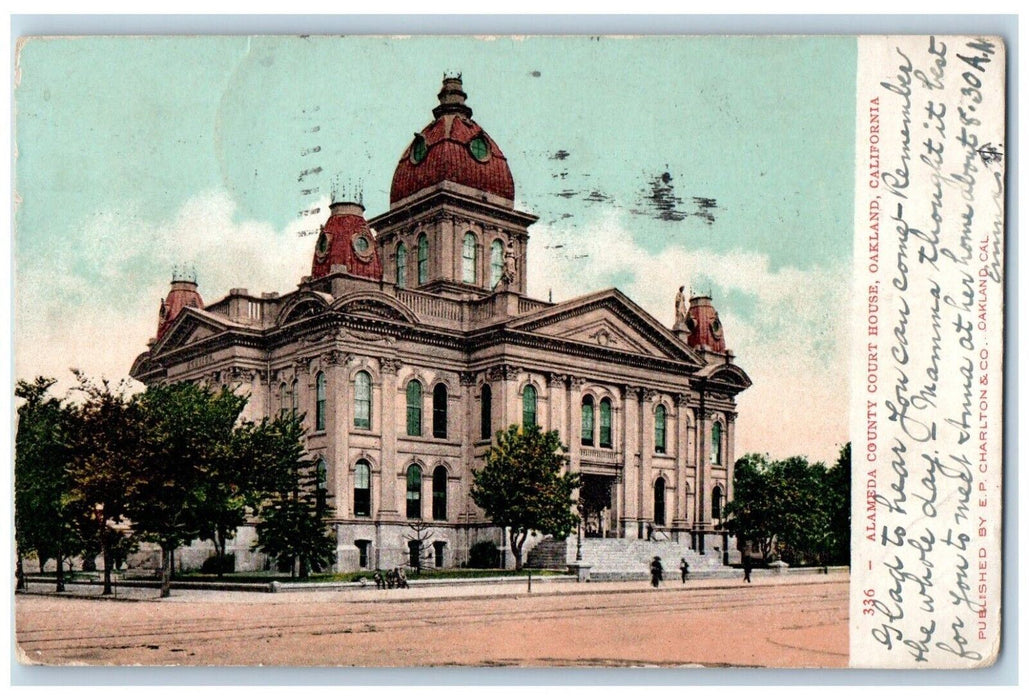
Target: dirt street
796 622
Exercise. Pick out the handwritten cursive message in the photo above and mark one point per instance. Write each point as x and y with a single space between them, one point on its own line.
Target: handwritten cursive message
926 418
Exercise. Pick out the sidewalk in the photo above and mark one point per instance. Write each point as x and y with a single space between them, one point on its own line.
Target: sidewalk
457 589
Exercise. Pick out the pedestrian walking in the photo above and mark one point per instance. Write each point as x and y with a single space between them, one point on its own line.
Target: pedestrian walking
379 581
655 572
684 567
747 566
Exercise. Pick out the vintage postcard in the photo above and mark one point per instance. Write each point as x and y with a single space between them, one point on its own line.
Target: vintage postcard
587 351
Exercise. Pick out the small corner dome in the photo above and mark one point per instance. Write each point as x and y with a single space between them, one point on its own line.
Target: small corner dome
345 239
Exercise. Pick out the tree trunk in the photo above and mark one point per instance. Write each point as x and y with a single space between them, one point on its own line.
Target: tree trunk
60 572
166 565
220 539
108 562
42 564
19 572
516 548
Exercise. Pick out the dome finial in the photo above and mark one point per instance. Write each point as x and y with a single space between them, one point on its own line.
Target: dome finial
452 97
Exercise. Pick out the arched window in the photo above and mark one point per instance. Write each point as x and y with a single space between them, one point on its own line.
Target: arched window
362 488
716 502
319 401
469 258
285 399
496 263
716 443
605 422
401 265
423 259
659 429
295 397
486 413
439 493
529 405
439 411
587 421
321 491
414 407
414 492
659 501
363 400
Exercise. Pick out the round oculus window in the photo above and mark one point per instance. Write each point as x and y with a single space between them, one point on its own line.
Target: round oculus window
361 245
716 327
419 149
479 149
323 244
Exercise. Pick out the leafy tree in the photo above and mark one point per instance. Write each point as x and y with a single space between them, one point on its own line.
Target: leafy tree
107 449
837 501
232 490
750 516
792 506
522 487
292 528
43 517
186 488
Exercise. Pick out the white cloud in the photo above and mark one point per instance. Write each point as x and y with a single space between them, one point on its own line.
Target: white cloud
95 306
791 336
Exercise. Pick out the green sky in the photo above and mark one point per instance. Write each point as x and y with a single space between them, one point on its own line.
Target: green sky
608 139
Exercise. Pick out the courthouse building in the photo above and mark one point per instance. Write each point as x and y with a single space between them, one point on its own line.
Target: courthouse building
413 341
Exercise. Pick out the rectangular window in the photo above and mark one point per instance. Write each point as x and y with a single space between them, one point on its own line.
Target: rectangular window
362 489
362 552
605 423
587 424
363 401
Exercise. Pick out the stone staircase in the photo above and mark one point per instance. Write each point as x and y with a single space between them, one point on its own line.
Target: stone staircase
628 560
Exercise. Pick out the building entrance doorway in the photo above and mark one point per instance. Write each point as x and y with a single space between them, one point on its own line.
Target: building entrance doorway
597 510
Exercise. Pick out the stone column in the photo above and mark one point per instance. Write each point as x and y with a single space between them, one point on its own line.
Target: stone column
630 462
388 430
512 398
701 522
556 409
573 420
337 429
730 453
470 432
681 518
646 451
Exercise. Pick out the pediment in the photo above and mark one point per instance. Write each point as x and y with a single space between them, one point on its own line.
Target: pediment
602 329
199 333
191 326
607 320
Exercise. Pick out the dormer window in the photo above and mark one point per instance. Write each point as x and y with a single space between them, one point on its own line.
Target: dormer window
419 149
479 149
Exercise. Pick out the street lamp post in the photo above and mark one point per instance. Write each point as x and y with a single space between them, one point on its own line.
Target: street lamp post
578 541
721 526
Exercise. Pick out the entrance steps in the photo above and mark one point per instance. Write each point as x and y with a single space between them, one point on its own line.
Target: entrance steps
628 560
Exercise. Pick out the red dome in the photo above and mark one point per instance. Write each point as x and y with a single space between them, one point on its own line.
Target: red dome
704 326
183 293
345 239
452 148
